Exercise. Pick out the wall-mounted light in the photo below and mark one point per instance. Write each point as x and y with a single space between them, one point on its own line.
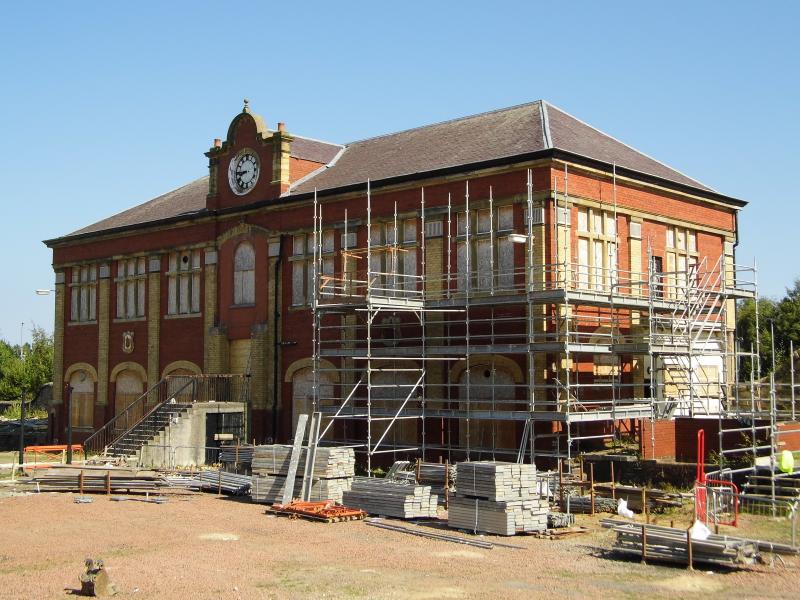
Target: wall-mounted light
44 292
518 238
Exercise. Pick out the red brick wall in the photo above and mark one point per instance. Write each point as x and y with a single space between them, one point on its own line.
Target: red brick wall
789 436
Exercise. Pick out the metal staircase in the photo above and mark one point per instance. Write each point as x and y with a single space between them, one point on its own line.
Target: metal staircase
152 412
147 429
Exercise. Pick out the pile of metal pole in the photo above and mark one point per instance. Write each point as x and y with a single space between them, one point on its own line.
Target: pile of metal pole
183 482
653 542
583 504
557 520
220 481
497 497
238 456
334 469
390 498
437 475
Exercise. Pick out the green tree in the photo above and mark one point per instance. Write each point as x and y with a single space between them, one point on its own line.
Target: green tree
787 326
746 332
29 373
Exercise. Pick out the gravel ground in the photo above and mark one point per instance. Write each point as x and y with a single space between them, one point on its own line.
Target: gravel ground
201 546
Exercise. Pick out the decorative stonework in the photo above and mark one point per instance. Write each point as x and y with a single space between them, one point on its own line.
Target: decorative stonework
127 342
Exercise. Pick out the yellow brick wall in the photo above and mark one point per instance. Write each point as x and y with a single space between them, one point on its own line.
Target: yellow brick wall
153 328
58 343
103 324
209 313
239 355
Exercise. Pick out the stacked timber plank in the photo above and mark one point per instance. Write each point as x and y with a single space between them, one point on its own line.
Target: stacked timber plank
671 545
391 498
497 497
334 469
96 479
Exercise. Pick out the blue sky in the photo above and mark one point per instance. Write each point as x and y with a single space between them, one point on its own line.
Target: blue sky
105 105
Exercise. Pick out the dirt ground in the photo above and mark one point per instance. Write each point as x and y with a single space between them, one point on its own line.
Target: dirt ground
201 546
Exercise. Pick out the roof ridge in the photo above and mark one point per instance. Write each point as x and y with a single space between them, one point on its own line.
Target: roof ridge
464 118
611 137
310 139
548 139
316 171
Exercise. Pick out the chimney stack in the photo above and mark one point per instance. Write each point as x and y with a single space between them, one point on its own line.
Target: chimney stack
217 143
281 126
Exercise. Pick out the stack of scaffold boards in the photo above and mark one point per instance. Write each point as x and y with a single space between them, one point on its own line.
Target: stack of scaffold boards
391 498
334 469
497 497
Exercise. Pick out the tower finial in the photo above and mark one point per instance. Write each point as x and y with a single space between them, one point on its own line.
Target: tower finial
246 108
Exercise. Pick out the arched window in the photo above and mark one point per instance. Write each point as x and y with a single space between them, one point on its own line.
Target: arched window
244 274
82 400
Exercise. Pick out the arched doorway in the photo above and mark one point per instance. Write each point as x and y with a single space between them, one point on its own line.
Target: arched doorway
129 387
82 400
303 392
491 388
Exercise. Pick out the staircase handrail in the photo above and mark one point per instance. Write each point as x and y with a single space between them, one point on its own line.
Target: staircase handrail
102 435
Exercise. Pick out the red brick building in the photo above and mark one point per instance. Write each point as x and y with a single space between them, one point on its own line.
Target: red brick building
553 281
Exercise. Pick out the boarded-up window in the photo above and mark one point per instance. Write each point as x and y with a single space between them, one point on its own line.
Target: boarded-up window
129 387
131 288
83 293
184 282
505 255
244 274
484 264
82 399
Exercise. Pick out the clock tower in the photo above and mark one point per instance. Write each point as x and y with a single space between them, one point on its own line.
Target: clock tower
252 164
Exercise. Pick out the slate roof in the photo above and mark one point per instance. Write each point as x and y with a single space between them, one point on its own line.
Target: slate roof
186 200
497 134
491 136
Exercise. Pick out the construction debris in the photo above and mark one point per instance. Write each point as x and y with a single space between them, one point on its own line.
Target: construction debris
497 497
654 542
391 499
94 580
326 511
334 469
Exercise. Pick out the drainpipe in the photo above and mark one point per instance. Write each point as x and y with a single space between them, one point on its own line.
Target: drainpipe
275 319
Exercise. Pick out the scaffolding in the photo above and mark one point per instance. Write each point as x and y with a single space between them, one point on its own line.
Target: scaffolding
468 329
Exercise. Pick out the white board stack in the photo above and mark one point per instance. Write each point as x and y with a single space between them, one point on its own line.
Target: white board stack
333 473
497 497
501 518
497 481
391 498
268 489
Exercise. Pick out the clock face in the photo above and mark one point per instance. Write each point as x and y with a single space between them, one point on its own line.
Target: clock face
243 172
